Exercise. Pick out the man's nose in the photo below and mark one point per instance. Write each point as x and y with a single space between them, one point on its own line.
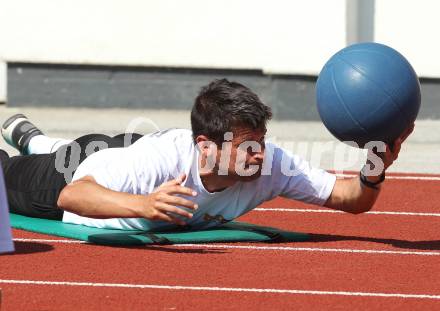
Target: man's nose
259 155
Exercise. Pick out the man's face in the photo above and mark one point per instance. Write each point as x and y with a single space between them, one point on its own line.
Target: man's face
241 158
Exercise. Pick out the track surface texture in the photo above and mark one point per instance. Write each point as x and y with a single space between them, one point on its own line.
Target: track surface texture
387 259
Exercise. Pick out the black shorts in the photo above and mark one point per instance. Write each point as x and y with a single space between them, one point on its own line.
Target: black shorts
34 182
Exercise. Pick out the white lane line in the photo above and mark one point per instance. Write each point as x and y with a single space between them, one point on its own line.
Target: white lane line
261 248
428 178
225 289
303 210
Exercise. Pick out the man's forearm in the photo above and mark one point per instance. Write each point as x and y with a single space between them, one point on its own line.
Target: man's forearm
89 199
363 197
350 195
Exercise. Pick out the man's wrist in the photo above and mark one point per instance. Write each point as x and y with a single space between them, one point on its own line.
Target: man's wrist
371 181
373 178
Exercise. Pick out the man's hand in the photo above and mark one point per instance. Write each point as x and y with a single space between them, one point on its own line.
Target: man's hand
391 151
163 204
349 196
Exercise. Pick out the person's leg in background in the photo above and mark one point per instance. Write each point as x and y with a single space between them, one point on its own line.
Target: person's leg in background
33 185
21 134
34 181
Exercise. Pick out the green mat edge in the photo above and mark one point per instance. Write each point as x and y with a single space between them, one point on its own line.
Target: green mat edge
230 232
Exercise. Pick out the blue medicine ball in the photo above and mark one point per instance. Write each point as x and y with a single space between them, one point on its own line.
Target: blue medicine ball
367 92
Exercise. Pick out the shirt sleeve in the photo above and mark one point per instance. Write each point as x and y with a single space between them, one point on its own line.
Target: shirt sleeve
296 179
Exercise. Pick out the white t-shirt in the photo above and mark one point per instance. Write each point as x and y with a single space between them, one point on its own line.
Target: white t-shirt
159 157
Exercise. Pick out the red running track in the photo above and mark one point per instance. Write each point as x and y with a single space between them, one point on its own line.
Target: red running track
370 261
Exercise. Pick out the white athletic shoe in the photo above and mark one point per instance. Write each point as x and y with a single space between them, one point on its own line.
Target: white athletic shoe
18 131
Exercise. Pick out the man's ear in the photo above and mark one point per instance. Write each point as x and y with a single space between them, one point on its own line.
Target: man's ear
206 145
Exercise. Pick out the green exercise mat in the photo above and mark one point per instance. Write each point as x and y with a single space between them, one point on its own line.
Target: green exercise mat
230 232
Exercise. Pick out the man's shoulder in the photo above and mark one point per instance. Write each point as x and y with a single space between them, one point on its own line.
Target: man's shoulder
274 152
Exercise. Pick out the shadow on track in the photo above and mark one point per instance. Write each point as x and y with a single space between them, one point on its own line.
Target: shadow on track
22 248
420 245
166 249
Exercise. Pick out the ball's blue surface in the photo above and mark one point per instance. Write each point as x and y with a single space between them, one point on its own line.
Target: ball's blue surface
367 92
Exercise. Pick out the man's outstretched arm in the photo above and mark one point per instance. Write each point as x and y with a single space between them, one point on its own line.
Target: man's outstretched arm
87 198
354 196
350 196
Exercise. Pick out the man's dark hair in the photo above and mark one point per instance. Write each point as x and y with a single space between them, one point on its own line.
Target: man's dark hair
222 106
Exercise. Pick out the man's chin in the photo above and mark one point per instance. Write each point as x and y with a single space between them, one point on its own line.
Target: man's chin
252 177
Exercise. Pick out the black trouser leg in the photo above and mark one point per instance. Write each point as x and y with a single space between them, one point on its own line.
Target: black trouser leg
34 182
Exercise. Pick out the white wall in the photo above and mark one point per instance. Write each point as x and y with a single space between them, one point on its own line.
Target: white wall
294 36
2 81
277 36
411 27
